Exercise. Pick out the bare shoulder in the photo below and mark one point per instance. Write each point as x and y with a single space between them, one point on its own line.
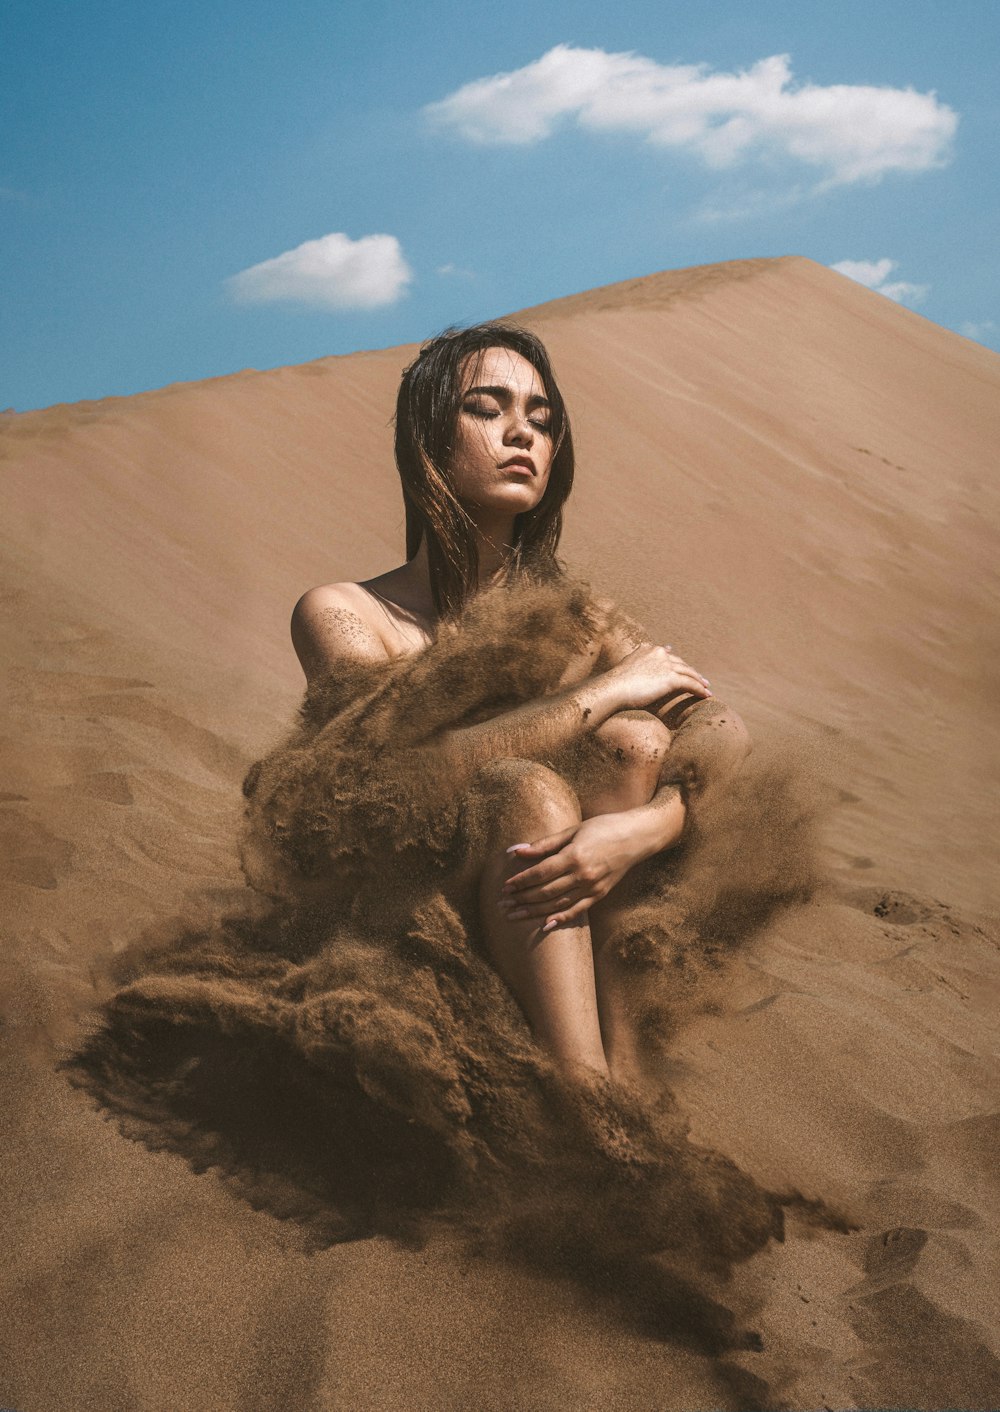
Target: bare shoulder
333 623
620 633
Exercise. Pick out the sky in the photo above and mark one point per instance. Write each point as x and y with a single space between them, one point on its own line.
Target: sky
189 189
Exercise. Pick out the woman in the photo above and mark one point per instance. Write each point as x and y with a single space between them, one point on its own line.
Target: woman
485 455
450 839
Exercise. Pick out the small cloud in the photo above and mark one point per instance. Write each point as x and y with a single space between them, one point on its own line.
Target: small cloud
874 274
854 132
450 271
333 272
978 331
748 205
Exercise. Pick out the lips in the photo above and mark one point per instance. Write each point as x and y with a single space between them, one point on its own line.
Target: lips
519 463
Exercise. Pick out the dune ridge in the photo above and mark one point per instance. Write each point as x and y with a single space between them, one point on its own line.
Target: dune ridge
793 478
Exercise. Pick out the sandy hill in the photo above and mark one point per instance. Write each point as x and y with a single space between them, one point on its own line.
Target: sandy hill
793 480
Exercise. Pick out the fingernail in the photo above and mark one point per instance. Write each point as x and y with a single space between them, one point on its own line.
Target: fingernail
515 846
517 914
549 925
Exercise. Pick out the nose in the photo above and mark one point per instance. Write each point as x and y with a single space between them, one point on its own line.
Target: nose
519 430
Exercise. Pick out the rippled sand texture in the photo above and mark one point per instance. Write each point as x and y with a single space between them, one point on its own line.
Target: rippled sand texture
788 477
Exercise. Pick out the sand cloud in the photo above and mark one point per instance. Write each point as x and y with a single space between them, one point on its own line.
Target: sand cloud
852 132
874 274
333 272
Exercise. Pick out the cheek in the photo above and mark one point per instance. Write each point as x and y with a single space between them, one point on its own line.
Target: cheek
472 442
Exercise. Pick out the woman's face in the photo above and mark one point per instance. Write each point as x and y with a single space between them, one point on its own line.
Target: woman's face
503 443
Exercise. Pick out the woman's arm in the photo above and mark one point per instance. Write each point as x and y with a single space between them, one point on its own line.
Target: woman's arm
325 631
535 729
539 728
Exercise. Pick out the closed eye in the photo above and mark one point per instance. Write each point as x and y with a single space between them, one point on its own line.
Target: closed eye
488 414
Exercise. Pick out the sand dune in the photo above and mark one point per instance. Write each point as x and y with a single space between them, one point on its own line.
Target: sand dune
786 475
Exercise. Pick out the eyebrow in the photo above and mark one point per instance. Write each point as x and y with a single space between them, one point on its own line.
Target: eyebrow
504 392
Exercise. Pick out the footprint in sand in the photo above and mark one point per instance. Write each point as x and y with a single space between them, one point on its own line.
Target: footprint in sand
900 909
894 1253
30 854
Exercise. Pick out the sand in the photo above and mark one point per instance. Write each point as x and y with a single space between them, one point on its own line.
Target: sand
786 476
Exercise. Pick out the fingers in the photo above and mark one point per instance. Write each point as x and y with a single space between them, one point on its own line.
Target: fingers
545 872
689 680
542 892
684 677
685 670
543 845
556 911
541 911
541 901
570 915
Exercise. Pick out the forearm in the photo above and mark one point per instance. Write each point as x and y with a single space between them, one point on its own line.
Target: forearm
536 729
652 827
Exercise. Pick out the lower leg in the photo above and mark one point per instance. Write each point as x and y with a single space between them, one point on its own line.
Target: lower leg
550 975
705 750
635 749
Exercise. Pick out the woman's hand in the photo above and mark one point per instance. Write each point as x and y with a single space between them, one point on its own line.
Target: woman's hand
578 867
651 676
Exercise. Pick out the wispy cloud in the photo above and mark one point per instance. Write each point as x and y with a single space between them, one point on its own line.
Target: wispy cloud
979 331
852 132
874 274
333 272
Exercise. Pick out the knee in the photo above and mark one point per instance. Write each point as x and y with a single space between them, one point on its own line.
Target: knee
637 740
528 791
724 725
713 740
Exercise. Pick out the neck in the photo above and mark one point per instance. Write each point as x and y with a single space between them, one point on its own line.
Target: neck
493 545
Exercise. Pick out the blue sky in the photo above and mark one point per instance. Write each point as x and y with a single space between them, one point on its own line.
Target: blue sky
163 166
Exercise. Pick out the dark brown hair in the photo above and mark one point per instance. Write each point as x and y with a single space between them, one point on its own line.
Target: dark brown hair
430 395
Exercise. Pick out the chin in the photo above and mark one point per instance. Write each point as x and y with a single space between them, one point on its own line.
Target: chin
517 499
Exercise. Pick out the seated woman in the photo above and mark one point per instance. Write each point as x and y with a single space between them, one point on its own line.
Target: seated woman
485 455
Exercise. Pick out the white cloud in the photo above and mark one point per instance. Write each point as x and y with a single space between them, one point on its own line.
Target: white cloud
874 274
853 132
978 331
333 272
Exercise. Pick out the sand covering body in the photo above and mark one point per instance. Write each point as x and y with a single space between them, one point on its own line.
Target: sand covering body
340 1049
